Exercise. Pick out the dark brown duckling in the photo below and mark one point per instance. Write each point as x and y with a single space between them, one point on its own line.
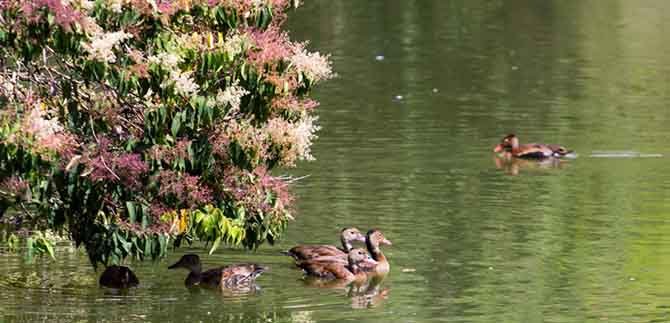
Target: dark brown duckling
118 277
347 236
510 143
335 270
223 277
373 239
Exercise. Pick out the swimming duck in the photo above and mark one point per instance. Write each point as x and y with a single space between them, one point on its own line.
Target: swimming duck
357 258
347 236
510 143
373 239
224 277
118 277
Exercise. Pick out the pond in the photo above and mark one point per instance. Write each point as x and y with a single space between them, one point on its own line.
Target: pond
425 90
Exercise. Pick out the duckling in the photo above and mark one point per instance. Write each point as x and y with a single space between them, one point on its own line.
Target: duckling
510 143
373 239
223 277
118 277
347 236
334 270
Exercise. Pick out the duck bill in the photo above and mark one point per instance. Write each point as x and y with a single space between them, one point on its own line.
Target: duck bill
174 266
360 238
498 148
369 263
387 242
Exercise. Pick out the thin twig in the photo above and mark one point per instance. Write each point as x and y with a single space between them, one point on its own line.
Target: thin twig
289 179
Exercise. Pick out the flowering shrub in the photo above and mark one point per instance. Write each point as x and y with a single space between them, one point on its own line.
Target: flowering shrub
128 124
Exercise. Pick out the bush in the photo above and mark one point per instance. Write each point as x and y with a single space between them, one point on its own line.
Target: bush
128 125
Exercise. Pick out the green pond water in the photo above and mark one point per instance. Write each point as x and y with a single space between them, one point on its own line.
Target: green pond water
425 90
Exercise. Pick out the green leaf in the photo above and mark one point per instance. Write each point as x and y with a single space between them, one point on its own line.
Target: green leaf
163 244
30 249
176 124
132 216
215 245
148 245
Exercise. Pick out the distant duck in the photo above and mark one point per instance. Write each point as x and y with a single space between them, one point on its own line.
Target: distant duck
373 239
118 277
347 236
510 144
358 259
229 276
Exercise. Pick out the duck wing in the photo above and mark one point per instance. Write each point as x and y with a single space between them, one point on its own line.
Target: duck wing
558 150
533 151
240 274
305 252
325 269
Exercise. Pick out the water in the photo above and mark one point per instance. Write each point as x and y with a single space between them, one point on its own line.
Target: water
425 89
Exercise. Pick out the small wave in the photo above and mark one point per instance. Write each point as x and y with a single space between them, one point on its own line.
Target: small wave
623 154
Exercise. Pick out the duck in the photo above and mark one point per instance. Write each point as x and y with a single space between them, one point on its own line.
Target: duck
510 143
119 277
306 252
229 276
373 239
352 271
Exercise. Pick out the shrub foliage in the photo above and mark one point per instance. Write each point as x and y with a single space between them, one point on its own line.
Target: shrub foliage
129 125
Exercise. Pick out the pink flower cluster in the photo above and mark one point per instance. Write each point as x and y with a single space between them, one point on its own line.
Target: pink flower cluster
250 189
293 105
271 46
64 15
14 186
184 188
252 140
169 154
106 165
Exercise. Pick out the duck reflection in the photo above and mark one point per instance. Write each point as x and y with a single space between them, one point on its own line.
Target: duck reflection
370 294
512 165
364 293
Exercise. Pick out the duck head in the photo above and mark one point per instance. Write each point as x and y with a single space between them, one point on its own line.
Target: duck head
509 142
190 262
348 235
358 257
376 238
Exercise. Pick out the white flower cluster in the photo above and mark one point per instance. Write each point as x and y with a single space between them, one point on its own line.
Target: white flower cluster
41 128
314 65
294 139
304 134
100 47
236 44
7 86
168 61
183 82
232 96
117 5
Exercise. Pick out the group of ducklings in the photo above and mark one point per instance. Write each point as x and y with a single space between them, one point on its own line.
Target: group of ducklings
323 261
346 263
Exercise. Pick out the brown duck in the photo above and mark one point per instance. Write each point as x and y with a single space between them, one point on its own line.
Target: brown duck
373 239
510 143
223 277
306 252
118 277
357 258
